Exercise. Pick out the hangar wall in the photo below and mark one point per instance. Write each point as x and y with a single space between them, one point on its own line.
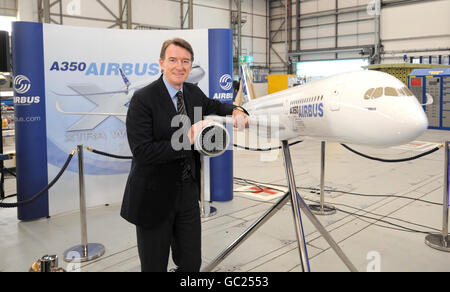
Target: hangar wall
342 29
318 29
419 29
163 14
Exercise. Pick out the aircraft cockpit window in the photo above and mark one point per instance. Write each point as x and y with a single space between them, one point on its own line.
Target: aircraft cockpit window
378 93
407 91
369 93
389 91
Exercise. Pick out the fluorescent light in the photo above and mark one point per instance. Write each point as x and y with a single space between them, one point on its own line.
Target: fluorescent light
6 93
5 23
320 69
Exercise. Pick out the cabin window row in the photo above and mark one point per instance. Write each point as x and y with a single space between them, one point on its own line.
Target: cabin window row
306 100
387 91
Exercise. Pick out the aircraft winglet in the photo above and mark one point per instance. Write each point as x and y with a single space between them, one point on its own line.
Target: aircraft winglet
125 79
246 92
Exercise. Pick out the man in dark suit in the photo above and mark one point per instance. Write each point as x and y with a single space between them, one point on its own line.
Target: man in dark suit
162 191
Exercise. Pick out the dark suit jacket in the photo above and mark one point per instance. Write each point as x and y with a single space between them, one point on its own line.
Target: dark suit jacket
156 168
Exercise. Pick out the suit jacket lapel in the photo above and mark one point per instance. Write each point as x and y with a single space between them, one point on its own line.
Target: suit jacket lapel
166 100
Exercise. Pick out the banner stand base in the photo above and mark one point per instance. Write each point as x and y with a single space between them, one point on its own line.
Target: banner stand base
207 212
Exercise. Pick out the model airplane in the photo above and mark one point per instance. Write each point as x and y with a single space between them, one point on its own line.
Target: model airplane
366 108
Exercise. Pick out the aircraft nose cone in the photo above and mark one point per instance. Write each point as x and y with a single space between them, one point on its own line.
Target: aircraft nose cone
421 122
407 122
417 123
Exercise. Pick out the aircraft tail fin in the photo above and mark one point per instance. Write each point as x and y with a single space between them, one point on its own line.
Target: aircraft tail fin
246 91
125 79
430 100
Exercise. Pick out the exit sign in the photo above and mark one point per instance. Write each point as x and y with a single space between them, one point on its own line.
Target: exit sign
246 59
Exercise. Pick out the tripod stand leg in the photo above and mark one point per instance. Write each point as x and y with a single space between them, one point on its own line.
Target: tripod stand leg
297 204
326 235
304 207
295 208
247 233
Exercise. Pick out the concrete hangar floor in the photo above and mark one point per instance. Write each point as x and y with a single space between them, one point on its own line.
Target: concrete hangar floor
384 212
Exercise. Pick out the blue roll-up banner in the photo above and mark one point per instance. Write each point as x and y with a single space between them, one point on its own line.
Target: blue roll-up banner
221 88
30 118
72 87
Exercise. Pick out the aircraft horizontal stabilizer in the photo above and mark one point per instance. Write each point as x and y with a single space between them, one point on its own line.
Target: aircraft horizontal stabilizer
261 125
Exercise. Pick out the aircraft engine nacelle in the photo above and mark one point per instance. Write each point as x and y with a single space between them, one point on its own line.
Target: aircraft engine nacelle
213 140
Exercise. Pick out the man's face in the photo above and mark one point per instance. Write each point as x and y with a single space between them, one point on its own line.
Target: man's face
176 65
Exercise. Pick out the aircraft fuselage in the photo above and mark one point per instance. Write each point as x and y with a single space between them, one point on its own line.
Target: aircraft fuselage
367 108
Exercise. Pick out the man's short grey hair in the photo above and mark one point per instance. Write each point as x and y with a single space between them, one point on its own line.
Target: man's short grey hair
177 42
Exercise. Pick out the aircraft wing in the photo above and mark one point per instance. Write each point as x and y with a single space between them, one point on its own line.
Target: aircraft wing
261 125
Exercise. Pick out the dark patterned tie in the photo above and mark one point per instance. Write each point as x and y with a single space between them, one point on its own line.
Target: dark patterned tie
180 104
182 111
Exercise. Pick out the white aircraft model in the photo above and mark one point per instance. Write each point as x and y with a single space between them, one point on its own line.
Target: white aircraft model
365 108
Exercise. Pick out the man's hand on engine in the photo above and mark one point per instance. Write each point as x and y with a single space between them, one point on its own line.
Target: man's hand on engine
195 130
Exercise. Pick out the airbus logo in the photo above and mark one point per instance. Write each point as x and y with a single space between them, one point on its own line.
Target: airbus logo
22 84
226 82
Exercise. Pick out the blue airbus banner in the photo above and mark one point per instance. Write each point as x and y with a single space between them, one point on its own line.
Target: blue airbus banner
69 95
30 122
221 88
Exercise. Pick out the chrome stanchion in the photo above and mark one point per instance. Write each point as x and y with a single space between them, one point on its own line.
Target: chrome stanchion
322 209
205 206
86 251
442 241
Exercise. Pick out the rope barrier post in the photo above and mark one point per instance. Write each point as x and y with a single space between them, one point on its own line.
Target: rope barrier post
322 209
86 251
205 208
441 241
